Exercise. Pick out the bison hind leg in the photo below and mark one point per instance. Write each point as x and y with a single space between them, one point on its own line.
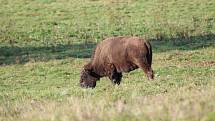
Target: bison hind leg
146 67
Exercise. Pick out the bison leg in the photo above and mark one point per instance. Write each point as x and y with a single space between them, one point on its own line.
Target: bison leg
115 77
147 69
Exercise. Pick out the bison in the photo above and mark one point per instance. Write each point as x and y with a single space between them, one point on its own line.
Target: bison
115 55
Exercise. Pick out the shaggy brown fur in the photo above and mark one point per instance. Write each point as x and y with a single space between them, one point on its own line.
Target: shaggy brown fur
116 55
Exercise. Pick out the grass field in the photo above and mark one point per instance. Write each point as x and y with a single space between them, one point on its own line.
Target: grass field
45 43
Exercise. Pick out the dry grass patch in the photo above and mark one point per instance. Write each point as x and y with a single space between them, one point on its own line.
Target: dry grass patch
188 103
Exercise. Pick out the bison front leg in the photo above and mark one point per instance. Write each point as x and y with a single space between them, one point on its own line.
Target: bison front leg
115 76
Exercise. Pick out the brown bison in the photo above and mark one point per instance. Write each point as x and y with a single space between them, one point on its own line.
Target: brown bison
116 55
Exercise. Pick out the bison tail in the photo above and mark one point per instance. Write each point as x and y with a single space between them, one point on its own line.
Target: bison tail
149 54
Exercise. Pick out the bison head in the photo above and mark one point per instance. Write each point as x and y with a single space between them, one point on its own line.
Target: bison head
88 77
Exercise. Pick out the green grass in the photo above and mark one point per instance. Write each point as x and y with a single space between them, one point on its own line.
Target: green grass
45 43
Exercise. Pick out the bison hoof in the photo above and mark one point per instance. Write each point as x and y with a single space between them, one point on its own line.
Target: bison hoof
151 78
116 82
150 75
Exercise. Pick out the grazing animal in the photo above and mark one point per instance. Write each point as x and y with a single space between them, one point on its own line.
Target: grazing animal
116 55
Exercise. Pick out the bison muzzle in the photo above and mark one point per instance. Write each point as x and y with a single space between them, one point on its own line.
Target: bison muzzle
115 55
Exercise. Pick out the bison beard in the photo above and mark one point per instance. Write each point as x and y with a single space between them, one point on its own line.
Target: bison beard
116 55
